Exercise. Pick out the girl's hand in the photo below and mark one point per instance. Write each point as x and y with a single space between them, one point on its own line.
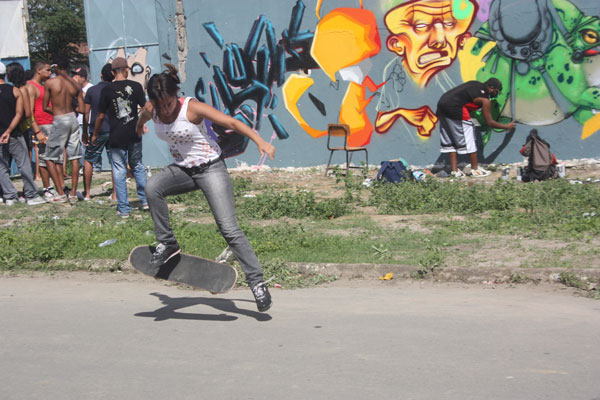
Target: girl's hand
268 148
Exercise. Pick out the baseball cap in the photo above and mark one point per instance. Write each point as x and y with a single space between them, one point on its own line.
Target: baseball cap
119 62
81 72
2 68
495 83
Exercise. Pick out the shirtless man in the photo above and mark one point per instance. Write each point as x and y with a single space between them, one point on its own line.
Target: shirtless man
42 124
61 91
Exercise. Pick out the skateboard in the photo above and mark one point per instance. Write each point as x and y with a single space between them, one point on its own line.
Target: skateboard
190 270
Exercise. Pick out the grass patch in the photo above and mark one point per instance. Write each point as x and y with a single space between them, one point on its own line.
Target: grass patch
460 219
302 204
550 209
74 236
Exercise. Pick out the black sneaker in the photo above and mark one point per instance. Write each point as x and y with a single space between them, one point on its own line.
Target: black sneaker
262 296
163 253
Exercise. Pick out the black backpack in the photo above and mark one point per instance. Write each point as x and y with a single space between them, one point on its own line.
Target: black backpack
542 163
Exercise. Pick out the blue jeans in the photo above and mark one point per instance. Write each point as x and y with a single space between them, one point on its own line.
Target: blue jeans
215 183
120 157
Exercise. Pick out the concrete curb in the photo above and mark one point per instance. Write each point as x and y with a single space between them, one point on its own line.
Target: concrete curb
583 278
589 276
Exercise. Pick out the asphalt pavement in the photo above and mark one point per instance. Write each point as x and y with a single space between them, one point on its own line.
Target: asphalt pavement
102 336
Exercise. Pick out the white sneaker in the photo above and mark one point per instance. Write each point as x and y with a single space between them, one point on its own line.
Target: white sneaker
35 201
60 198
10 202
480 173
457 174
49 193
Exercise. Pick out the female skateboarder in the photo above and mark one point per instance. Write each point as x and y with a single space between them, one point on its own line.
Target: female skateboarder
198 165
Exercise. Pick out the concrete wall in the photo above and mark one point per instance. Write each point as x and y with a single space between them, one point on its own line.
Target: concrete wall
288 68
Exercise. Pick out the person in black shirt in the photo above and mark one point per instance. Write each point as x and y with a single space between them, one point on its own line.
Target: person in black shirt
93 152
120 101
457 135
12 145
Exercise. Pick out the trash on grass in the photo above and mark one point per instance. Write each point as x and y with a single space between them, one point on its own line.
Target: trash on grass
107 242
226 256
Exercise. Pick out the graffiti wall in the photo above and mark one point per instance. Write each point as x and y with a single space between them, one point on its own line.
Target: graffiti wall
288 68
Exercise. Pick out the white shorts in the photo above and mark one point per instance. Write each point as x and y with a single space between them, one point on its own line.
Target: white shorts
457 136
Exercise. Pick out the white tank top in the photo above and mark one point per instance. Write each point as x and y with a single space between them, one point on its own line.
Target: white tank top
190 144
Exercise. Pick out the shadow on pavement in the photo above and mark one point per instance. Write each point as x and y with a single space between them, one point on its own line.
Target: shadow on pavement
172 304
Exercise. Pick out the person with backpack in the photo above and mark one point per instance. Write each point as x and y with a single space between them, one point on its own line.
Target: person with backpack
457 134
541 162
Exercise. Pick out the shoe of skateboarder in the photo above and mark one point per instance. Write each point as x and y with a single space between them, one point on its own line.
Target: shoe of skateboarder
198 165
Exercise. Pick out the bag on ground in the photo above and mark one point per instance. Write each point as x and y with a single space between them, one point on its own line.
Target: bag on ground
542 163
394 172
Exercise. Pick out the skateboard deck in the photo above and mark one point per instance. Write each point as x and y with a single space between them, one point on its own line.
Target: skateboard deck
184 268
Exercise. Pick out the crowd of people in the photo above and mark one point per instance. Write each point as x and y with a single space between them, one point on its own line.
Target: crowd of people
59 115
41 120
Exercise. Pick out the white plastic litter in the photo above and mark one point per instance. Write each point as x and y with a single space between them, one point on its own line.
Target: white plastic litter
107 242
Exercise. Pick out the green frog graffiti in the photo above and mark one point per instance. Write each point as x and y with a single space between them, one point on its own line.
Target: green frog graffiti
547 55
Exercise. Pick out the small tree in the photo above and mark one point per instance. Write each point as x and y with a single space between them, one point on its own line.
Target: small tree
56 27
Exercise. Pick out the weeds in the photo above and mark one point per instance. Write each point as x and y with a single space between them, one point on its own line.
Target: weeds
515 277
548 209
429 262
288 277
571 280
302 204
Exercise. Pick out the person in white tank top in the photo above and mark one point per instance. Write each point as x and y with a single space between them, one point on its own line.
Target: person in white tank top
198 165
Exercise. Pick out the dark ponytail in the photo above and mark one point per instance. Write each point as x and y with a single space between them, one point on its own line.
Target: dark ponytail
165 84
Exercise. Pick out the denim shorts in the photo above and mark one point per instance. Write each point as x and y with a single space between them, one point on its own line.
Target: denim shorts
46 129
65 134
93 152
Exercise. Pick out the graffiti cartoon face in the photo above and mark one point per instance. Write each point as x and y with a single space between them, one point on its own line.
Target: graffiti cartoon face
587 37
545 90
427 34
139 71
